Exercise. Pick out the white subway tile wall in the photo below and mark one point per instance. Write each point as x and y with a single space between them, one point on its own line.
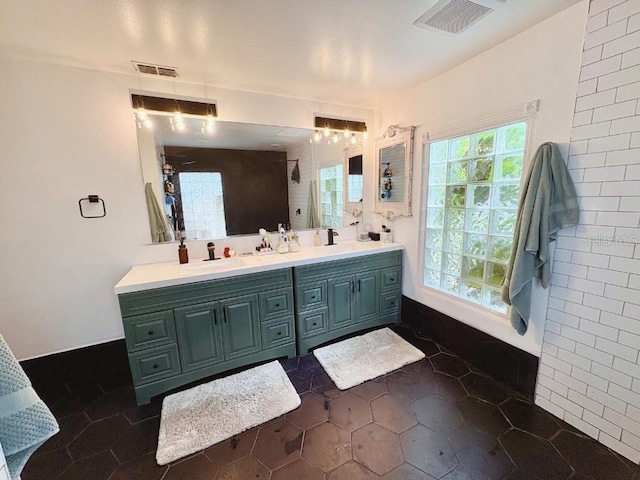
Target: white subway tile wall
589 369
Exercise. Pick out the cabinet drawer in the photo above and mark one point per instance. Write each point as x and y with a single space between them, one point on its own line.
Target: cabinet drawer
277 303
390 302
277 332
147 331
154 364
313 323
311 295
390 278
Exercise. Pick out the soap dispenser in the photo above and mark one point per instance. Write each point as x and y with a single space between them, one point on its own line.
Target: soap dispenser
183 255
317 241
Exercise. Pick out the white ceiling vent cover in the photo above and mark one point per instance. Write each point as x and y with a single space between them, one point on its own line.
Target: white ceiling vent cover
451 17
159 70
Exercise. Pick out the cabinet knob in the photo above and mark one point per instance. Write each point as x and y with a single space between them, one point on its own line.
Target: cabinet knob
393 303
150 332
315 324
277 304
391 279
279 333
155 366
313 297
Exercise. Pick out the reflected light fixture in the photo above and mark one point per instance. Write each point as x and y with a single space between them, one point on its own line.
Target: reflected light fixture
176 109
333 129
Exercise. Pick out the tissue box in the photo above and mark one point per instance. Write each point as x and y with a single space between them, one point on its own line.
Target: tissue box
374 236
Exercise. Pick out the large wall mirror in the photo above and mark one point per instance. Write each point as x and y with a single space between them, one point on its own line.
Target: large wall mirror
240 177
394 164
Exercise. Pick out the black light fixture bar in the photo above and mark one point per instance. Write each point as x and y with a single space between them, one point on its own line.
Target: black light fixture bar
339 124
160 104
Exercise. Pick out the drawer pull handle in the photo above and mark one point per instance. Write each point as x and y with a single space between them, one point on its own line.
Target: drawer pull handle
277 304
225 315
279 333
215 317
359 285
315 324
391 279
393 303
150 332
313 297
155 366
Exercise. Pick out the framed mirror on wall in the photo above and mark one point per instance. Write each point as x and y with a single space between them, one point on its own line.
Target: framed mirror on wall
394 164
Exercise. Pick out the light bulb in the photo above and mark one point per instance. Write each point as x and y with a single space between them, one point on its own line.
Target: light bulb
317 136
148 123
178 120
335 138
142 114
347 133
209 123
326 131
354 140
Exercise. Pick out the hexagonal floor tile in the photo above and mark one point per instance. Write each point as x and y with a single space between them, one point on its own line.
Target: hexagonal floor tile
405 385
196 467
322 384
350 412
445 386
248 467
232 449
393 413
591 458
483 416
138 440
141 467
407 472
526 451
422 368
427 450
371 389
530 418
98 436
437 414
485 388
327 446
298 470
449 364
481 452
376 448
462 472
352 471
313 410
278 444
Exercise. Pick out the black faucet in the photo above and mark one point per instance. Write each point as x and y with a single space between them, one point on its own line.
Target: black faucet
330 235
212 251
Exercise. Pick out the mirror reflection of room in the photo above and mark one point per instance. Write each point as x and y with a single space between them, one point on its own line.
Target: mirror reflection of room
391 173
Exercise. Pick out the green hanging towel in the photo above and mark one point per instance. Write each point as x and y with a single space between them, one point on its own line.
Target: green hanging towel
295 173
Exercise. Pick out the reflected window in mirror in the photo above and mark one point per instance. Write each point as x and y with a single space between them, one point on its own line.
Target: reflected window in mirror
355 179
202 204
331 199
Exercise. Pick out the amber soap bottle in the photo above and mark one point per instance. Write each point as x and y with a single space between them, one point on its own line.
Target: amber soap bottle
183 255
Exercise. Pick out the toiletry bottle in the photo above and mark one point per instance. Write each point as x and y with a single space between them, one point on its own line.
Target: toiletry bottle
294 244
316 239
183 255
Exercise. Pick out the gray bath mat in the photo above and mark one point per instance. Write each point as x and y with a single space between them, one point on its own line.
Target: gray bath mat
358 359
210 413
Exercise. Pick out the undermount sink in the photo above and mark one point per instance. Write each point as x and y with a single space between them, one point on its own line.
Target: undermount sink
211 265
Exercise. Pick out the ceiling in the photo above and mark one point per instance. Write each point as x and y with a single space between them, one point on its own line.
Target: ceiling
352 52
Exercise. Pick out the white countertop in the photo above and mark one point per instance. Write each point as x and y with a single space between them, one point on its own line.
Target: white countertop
166 274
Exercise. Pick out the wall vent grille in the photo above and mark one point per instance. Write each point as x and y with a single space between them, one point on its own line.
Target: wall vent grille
452 17
158 70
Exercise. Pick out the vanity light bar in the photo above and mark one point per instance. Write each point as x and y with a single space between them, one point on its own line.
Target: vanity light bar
185 107
340 125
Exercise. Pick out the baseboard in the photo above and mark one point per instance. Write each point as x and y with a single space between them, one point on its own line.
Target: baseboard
514 367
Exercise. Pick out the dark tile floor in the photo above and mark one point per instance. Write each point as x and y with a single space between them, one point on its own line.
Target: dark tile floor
439 418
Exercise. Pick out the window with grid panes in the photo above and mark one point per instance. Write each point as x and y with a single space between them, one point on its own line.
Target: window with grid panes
202 204
472 201
331 200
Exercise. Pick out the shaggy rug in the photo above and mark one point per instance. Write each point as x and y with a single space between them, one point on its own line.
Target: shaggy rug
358 359
210 413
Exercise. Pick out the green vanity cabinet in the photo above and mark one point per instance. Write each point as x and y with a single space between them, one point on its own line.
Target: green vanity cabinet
180 334
340 297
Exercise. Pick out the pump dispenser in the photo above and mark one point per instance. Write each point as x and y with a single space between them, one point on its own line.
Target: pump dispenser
183 255
317 241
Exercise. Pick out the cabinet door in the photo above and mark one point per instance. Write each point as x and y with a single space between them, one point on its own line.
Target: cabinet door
341 311
367 296
199 339
240 326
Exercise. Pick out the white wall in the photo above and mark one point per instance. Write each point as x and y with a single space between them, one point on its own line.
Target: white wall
541 63
590 373
67 133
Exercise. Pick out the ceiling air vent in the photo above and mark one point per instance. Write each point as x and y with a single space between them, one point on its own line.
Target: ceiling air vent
159 70
451 17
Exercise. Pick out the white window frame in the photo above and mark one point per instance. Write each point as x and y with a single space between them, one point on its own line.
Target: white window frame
526 115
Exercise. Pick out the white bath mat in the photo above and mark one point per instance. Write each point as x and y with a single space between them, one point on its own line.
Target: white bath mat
210 413
358 359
